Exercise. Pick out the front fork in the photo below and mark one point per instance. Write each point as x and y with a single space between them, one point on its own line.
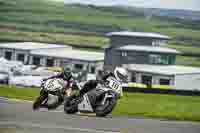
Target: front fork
105 98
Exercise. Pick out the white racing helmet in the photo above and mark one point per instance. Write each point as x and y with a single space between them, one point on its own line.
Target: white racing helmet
121 74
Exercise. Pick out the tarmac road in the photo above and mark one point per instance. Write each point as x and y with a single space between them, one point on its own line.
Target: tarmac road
18 117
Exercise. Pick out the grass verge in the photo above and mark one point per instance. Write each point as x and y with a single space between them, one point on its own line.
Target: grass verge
171 107
18 93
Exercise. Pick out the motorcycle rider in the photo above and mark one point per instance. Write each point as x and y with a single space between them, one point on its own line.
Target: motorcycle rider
119 73
66 75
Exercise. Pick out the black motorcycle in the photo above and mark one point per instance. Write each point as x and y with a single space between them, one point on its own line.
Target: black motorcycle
101 100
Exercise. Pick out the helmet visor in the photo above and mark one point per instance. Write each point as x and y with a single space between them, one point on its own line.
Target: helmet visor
122 77
67 73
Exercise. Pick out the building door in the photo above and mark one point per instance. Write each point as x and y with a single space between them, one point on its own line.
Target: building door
36 61
133 77
92 69
8 55
50 63
164 81
147 79
21 57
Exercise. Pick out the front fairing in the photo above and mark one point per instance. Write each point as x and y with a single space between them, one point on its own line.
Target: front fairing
54 86
114 85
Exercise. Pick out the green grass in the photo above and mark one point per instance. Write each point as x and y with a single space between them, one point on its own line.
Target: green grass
59 38
159 106
170 107
18 93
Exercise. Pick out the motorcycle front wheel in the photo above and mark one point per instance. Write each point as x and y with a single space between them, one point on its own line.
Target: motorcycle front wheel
104 110
39 100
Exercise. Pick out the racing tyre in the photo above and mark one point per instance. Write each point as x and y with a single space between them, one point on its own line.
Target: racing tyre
103 110
70 105
55 105
38 101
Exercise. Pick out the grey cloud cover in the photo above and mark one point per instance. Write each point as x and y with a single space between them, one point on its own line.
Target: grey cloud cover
173 4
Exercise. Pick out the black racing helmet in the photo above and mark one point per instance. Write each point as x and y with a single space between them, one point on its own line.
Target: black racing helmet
67 73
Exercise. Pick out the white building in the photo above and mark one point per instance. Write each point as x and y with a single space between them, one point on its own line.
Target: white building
20 51
52 55
78 59
177 77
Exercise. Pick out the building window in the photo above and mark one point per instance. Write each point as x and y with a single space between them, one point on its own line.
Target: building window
92 70
50 63
146 79
161 59
36 61
172 59
78 66
157 59
164 82
8 55
20 57
124 54
154 43
158 42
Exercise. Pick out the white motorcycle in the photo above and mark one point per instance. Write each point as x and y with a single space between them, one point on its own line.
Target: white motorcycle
100 100
51 94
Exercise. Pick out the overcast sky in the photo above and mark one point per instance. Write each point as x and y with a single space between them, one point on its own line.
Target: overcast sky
173 4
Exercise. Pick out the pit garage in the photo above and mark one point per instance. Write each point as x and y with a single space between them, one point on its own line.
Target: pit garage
169 77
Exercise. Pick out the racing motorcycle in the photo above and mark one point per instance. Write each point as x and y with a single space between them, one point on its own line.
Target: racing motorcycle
51 94
100 100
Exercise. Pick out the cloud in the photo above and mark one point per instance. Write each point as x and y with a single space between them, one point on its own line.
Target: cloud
172 4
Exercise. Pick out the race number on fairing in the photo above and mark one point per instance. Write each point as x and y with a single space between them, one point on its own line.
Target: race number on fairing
114 84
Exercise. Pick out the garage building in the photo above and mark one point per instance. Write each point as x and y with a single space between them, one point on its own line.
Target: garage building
177 77
78 59
20 51
52 55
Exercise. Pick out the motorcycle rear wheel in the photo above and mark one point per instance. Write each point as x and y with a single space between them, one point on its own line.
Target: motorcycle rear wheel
71 105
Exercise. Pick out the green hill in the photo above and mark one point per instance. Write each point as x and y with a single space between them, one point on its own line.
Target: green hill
45 20
86 25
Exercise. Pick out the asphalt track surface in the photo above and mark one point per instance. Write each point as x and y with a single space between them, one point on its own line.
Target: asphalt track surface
18 117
